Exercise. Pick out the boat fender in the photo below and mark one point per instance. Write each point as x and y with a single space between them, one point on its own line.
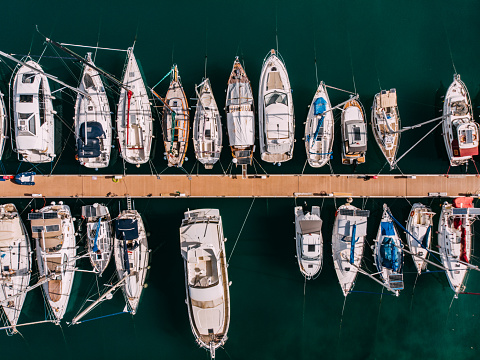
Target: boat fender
229 283
115 180
145 286
412 213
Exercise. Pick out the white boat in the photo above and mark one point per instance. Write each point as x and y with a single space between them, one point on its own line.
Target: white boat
207 126
319 129
99 236
385 122
348 240
134 116
419 234
206 278
460 131
93 121
455 240
54 234
309 240
276 119
176 125
3 125
388 253
15 263
33 115
131 255
354 133
240 116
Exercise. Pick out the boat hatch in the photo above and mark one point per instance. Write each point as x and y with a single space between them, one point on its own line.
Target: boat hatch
88 82
26 123
26 98
310 226
28 78
274 81
126 229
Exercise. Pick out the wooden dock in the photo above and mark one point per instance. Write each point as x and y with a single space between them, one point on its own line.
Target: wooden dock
209 186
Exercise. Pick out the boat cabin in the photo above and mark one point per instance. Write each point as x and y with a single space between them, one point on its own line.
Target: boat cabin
89 136
312 242
47 228
465 138
202 268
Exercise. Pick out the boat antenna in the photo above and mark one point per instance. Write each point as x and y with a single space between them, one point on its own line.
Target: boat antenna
315 58
79 58
41 72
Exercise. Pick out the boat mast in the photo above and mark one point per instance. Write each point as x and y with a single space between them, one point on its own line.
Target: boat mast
54 78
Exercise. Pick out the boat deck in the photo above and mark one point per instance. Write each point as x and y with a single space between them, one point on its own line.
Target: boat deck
87 186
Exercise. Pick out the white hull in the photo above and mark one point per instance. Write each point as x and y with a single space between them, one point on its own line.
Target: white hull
275 111
349 219
3 125
240 116
207 127
385 119
309 241
137 252
418 223
319 130
354 133
93 122
99 236
33 116
388 253
56 252
134 125
15 263
206 278
460 131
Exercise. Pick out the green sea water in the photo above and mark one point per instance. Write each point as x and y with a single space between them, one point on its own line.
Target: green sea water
413 46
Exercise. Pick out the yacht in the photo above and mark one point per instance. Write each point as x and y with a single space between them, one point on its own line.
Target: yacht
419 234
354 133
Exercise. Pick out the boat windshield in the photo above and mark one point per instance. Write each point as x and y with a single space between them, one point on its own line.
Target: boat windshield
276 98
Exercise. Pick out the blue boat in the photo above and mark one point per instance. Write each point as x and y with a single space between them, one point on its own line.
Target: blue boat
25 178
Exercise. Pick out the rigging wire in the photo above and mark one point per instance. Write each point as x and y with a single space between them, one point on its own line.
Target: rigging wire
241 229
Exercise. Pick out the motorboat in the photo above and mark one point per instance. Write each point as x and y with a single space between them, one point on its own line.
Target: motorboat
455 240
388 253
309 240
348 240
354 133
134 115
99 236
460 131
419 234
15 264
206 278
207 126
33 115
319 129
275 111
176 122
25 178
386 124
93 121
131 256
54 234
240 116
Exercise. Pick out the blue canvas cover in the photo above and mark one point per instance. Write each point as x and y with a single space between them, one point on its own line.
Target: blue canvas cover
319 106
126 229
387 228
390 254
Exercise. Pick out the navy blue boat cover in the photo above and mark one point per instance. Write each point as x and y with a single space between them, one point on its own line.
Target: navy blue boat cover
91 147
320 105
387 228
127 228
390 255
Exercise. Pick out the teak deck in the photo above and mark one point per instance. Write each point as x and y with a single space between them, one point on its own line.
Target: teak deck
68 186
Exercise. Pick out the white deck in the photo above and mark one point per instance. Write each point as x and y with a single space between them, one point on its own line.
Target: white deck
418 222
309 244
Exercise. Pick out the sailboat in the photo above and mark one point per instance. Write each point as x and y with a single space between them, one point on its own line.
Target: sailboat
33 115
240 116
134 117
348 239
455 239
309 240
386 124
131 255
99 235
275 111
15 263
54 234
202 246
388 253
419 234
354 133
176 122
460 131
93 122
319 129
3 125
207 126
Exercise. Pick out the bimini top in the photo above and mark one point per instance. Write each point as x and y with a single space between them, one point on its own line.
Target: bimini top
89 145
126 229
310 226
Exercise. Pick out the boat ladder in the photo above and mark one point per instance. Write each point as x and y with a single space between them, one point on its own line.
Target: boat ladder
129 203
395 281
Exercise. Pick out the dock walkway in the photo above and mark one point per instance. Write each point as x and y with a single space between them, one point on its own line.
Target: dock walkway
209 186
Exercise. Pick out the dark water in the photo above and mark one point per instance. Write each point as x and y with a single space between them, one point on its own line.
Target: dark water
407 45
